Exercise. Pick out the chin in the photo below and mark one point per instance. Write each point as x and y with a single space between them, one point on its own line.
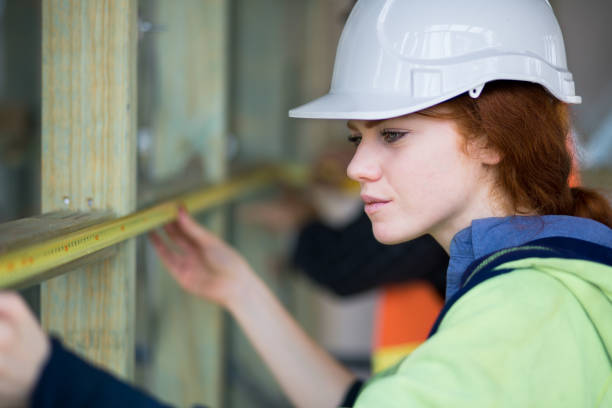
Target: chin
388 235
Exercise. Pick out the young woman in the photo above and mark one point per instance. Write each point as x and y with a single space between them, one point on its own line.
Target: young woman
459 114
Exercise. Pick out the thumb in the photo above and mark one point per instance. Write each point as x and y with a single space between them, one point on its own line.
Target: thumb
12 306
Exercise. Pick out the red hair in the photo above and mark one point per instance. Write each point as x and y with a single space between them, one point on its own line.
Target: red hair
530 129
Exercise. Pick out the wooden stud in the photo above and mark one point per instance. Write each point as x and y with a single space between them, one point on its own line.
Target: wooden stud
88 162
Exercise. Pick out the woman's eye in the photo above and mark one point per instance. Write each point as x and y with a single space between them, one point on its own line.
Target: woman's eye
354 139
390 136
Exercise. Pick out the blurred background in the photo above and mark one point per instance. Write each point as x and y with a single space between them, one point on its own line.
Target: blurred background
275 55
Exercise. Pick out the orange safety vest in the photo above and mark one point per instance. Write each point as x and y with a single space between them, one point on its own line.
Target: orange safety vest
404 316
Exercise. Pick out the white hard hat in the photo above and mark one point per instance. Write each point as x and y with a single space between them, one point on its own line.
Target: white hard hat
400 56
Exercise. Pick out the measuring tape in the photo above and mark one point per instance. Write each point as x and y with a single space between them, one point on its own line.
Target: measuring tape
25 264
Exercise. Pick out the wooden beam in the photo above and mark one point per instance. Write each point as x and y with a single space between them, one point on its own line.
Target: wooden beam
89 163
45 227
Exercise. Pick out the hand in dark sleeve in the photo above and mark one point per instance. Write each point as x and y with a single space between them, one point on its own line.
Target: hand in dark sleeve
350 260
37 371
69 382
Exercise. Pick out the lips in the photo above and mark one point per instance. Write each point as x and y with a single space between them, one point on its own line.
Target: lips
373 204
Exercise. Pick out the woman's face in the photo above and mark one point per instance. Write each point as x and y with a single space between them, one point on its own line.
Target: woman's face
417 177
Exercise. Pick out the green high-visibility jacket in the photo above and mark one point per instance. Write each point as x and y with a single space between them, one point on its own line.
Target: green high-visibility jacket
531 327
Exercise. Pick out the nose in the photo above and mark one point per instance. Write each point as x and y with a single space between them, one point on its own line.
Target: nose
363 166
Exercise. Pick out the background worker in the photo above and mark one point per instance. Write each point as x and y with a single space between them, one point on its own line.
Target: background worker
337 250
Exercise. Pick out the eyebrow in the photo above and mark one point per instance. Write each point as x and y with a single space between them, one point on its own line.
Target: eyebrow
369 124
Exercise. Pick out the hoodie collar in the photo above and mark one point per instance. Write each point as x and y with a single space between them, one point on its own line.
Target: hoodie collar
489 235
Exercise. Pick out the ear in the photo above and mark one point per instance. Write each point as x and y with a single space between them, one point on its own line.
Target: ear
480 149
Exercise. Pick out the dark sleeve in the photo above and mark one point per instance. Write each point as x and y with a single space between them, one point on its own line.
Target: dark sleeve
67 381
351 394
350 260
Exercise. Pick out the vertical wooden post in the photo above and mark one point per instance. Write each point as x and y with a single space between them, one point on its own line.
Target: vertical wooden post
189 123
88 162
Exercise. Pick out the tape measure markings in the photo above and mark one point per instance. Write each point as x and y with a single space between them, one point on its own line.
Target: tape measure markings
27 262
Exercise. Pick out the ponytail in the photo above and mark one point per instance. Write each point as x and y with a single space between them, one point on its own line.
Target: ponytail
589 203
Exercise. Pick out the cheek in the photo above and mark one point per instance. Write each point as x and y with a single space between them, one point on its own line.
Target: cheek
429 179
418 171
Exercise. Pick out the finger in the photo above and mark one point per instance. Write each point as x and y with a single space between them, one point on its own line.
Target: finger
168 257
12 305
193 229
14 315
179 238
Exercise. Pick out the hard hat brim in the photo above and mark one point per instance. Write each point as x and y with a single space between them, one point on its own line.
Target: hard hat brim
380 106
365 106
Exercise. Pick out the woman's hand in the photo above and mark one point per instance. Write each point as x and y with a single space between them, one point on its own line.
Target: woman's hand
24 348
200 262
206 266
